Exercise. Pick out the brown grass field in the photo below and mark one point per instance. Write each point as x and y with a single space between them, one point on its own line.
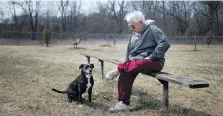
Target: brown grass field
27 74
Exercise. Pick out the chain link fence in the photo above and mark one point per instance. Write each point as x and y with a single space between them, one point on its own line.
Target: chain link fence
66 38
215 40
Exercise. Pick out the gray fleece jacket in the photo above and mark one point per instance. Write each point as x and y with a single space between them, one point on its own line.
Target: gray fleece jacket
151 43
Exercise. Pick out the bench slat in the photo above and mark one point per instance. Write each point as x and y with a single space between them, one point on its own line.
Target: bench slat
191 83
113 61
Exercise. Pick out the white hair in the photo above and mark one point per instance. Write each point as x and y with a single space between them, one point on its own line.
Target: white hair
135 16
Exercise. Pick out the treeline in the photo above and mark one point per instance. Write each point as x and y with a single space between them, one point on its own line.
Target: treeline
174 17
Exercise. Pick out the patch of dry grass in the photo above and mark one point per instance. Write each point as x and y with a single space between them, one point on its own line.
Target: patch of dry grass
27 74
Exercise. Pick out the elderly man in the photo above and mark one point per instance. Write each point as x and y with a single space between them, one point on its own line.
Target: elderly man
145 54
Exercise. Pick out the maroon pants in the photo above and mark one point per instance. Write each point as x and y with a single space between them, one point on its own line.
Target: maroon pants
128 72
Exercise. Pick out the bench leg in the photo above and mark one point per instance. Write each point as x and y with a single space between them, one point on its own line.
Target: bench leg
88 59
165 93
102 69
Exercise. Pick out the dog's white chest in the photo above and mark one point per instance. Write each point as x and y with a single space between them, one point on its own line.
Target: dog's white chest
89 83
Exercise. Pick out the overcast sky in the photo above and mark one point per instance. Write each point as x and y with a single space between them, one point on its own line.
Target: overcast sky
86 7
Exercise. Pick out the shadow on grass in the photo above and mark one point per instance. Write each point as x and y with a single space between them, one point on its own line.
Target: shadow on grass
196 50
144 101
77 48
97 106
106 45
96 49
99 102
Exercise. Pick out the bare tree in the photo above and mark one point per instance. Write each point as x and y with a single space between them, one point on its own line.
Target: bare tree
51 17
181 14
14 15
136 5
164 15
117 16
108 17
2 15
121 16
63 10
3 20
31 10
211 11
155 5
17 20
74 15
207 16
145 6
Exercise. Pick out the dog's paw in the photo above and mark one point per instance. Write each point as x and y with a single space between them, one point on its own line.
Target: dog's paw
75 102
80 105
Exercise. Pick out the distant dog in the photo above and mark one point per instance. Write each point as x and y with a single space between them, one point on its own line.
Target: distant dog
84 82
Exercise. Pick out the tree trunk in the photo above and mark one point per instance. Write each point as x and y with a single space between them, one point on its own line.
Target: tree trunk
164 16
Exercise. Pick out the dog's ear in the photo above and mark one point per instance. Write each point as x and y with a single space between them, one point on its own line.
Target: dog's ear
81 66
92 65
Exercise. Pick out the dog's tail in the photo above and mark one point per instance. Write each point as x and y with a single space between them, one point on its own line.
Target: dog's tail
59 91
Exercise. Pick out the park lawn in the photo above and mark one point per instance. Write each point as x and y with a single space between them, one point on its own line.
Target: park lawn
27 74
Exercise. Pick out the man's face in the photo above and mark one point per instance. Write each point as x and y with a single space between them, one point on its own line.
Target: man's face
135 27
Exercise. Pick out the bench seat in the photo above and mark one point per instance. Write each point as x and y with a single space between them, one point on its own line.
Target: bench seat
163 77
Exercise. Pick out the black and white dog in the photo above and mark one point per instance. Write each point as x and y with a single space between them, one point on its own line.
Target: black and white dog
84 82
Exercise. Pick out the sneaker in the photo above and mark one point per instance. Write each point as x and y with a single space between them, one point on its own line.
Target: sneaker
119 107
112 74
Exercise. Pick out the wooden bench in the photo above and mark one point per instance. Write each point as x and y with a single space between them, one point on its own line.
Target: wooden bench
163 77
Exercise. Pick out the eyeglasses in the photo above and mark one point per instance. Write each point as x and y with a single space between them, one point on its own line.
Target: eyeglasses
132 26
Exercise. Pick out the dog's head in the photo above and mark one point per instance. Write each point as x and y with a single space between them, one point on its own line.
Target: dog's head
86 68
